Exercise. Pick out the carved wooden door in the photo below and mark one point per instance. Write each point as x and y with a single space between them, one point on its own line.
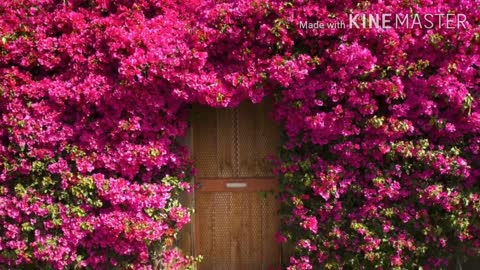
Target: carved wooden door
235 206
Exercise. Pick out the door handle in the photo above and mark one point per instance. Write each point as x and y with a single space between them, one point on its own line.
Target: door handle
236 185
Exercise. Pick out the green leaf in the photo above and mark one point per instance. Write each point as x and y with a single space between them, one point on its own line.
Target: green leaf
20 190
467 103
27 227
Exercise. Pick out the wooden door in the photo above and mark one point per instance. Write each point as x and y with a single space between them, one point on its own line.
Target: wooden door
235 205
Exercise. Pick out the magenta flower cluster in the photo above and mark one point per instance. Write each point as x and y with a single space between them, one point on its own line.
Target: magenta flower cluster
380 163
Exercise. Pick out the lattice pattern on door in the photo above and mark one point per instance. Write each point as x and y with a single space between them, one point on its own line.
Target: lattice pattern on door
235 229
234 142
238 230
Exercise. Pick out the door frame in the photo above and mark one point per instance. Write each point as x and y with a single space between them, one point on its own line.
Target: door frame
254 184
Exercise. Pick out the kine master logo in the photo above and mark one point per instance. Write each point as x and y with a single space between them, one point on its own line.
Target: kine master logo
387 21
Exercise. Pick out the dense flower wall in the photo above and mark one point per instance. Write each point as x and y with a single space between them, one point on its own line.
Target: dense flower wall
380 161
89 162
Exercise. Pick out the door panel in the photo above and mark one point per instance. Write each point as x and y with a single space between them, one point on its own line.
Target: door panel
225 146
234 142
259 138
237 230
235 205
205 141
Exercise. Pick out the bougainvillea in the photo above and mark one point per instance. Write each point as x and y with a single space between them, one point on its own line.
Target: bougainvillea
89 162
380 160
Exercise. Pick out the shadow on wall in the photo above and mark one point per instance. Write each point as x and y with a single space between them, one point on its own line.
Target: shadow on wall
472 263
